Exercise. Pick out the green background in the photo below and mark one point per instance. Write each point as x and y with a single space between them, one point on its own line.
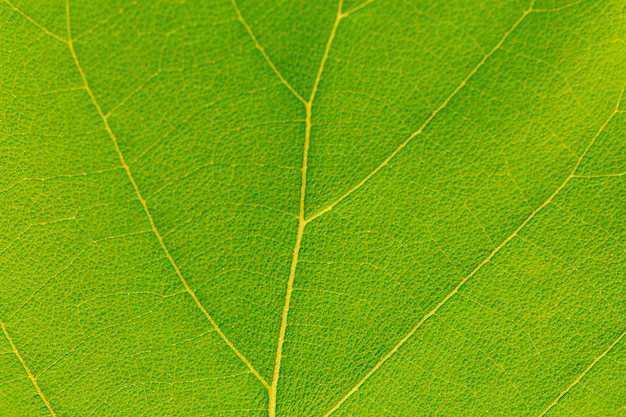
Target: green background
305 208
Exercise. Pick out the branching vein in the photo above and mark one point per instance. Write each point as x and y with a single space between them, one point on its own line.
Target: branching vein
265 55
480 265
302 222
34 22
357 8
426 122
144 204
272 386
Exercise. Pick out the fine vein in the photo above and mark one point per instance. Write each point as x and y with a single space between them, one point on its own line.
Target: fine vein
144 204
32 377
302 221
582 375
426 122
481 264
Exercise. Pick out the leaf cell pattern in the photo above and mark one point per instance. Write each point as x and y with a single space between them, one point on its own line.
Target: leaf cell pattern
285 208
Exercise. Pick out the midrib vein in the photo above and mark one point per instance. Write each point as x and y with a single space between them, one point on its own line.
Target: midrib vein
32 377
144 204
485 261
302 222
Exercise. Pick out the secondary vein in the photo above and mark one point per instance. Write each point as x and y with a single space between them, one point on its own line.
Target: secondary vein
34 22
485 261
32 377
582 375
265 55
434 114
144 204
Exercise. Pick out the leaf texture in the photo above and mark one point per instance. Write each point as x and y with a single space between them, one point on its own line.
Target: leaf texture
312 208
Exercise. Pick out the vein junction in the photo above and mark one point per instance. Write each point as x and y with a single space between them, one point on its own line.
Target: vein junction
302 222
272 386
144 204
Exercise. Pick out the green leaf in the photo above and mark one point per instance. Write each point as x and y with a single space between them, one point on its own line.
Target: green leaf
312 208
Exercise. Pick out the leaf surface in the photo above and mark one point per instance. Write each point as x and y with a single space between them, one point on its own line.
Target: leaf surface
311 208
